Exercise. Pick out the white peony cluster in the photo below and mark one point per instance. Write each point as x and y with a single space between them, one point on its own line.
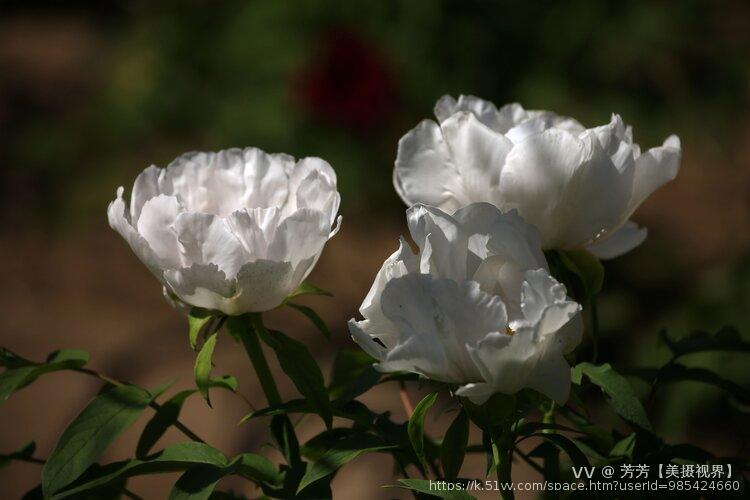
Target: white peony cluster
235 231
578 186
475 306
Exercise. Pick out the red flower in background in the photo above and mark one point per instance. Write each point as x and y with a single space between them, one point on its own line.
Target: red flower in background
347 82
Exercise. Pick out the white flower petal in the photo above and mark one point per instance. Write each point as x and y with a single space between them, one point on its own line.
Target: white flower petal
401 262
653 169
207 239
146 186
443 243
266 178
545 305
526 129
477 152
621 241
536 177
596 198
485 111
362 335
478 393
502 234
116 214
255 228
259 286
262 285
532 358
300 236
202 285
156 226
553 120
497 275
436 319
223 182
317 190
424 171
306 166
551 377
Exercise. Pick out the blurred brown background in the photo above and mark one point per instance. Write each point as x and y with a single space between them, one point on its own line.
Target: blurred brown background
93 92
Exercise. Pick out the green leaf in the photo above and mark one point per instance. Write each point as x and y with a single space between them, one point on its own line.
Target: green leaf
12 380
416 426
162 420
401 377
490 453
306 288
21 372
453 448
588 268
258 469
624 447
616 387
425 486
9 359
227 382
566 445
293 406
105 417
302 369
177 457
197 483
352 374
66 359
198 319
352 410
340 453
578 270
317 445
597 440
498 410
203 365
675 372
231 495
283 433
313 317
726 339
161 389
292 477
526 428
169 412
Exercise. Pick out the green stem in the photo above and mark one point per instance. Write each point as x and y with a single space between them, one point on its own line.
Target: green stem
551 461
30 460
549 416
250 340
594 328
503 455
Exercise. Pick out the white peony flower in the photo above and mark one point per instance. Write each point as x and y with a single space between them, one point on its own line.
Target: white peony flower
475 306
578 186
236 231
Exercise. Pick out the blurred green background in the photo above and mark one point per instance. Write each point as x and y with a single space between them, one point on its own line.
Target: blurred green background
93 92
